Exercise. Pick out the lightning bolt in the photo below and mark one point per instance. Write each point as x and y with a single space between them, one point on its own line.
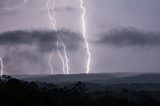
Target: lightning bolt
16 7
50 65
1 62
84 35
64 72
53 22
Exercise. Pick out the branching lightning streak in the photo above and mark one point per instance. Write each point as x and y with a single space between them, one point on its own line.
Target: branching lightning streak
50 57
84 35
53 22
16 7
1 62
61 57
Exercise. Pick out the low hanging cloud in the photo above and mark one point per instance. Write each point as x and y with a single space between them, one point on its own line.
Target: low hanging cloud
43 40
61 9
27 52
130 37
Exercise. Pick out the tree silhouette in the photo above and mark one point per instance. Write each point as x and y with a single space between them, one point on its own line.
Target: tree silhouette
14 92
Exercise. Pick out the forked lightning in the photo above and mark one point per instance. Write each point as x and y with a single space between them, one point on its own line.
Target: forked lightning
1 62
84 36
16 7
51 15
53 22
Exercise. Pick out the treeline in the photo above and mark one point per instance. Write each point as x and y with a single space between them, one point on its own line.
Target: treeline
14 92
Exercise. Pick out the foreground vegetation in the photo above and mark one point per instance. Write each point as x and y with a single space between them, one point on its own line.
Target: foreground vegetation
14 92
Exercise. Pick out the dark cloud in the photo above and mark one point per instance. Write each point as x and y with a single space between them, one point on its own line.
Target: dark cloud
61 9
44 40
130 37
27 52
69 8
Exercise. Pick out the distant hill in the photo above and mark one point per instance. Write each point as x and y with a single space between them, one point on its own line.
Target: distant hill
144 78
112 81
96 78
109 78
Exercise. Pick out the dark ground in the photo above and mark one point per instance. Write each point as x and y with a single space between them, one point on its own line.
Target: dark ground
15 92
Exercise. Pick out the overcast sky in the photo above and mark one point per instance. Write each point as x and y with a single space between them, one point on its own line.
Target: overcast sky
124 36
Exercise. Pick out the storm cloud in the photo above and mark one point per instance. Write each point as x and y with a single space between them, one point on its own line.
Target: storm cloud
130 37
61 9
27 52
44 40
